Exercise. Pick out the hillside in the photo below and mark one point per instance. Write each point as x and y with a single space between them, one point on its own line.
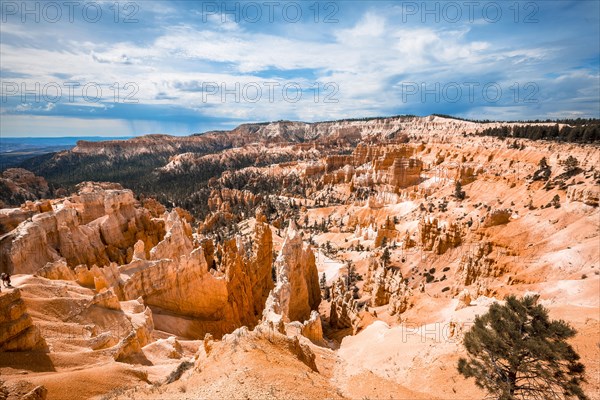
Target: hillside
338 260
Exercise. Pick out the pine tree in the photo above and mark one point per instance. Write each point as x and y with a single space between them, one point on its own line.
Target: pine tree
385 257
571 164
458 192
384 241
517 352
323 281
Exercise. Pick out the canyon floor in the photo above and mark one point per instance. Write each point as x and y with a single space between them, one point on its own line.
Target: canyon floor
346 265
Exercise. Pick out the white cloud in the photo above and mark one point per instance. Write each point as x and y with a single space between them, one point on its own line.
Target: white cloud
368 61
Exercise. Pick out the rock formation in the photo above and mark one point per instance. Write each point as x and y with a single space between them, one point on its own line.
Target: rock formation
386 286
189 295
103 239
344 311
297 291
475 265
95 227
106 299
18 185
497 217
139 336
387 231
22 390
227 200
464 299
17 331
589 196
312 328
57 270
438 237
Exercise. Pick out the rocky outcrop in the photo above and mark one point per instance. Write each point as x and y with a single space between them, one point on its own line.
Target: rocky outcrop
297 291
404 172
437 237
388 165
106 299
22 390
99 277
227 200
103 239
589 196
57 270
140 335
260 263
166 348
387 286
261 336
10 218
497 217
344 311
312 328
156 209
475 265
18 185
176 242
17 332
193 297
95 227
387 233
464 299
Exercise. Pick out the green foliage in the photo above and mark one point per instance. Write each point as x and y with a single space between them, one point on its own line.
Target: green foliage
459 193
555 201
189 188
571 164
385 257
517 352
323 281
577 130
384 242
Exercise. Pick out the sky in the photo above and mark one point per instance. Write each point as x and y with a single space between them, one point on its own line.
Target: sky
118 68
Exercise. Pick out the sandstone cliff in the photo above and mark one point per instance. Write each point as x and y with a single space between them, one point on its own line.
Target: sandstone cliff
94 227
17 331
296 292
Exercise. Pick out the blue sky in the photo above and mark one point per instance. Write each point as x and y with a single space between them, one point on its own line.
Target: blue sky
183 67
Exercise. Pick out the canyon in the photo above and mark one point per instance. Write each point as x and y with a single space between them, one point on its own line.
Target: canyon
341 259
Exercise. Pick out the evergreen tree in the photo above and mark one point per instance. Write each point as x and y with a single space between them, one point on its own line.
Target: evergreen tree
571 164
385 257
517 352
384 241
459 193
323 281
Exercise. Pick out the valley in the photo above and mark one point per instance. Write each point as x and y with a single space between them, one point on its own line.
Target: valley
341 259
